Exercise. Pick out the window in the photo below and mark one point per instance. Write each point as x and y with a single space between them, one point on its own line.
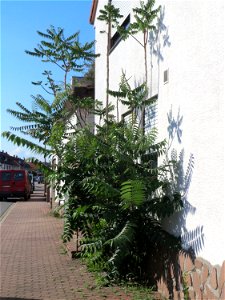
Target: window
116 38
151 113
6 176
18 176
150 122
127 116
166 76
150 158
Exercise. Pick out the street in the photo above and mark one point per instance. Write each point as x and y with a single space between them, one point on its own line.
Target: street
38 194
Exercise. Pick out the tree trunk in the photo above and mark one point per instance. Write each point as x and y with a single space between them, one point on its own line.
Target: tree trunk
107 74
146 79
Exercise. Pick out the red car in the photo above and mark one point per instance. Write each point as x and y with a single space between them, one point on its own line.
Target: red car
15 183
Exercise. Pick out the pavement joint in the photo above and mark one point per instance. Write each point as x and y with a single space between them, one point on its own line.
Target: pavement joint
32 266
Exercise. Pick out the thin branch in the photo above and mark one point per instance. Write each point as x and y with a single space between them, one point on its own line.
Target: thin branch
137 40
47 90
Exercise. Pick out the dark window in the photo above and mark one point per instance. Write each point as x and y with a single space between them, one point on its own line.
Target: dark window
127 116
151 159
150 122
151 116
166 76
151 113
6 176
18 176
116 38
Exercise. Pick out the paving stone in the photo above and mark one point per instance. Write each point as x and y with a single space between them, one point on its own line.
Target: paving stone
32 263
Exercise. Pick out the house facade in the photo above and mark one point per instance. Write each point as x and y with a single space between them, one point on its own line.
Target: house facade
186 72
80 88
8 162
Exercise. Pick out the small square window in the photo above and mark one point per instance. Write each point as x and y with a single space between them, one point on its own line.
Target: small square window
166 76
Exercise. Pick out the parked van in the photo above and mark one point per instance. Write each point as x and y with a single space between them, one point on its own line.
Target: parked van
15 183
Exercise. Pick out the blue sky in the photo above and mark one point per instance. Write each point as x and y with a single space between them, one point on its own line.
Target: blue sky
20 21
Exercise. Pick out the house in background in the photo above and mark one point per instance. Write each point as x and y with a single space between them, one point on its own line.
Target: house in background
9 162
81 87
186 73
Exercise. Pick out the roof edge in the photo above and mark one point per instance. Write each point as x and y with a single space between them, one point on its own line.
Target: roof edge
93 11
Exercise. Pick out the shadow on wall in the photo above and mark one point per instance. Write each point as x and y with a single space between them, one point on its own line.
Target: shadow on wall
159 37
166 262
180 181
158 40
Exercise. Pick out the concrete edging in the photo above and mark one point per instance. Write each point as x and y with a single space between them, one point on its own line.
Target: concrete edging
5 214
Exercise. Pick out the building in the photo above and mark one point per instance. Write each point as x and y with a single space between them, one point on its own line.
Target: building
186 72
78 116
8 162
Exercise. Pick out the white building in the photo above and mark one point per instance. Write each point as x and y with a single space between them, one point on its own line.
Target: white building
186 71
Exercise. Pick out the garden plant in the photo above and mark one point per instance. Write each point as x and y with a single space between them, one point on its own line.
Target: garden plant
117 193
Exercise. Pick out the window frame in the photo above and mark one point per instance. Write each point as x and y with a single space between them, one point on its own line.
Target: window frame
116 38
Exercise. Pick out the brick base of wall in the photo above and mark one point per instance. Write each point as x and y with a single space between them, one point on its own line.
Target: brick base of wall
197 279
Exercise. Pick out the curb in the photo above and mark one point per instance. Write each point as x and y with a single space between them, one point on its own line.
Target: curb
6 213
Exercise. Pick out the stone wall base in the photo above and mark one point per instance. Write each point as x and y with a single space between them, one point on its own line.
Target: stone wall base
197 279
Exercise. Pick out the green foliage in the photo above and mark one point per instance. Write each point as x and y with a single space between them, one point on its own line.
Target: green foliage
134 99
110 15
132 193
122 239
47 123
119 201
23 142
144 17
140 292
69 225
66 52
116 198
185 285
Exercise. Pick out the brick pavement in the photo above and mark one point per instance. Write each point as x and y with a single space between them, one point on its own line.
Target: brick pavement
33 262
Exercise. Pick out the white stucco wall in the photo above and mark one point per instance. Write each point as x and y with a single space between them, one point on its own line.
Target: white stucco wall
195 59
191 46
120 58
100 62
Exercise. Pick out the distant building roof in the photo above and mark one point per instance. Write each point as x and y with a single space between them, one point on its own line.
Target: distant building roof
15 161
7 159
80 89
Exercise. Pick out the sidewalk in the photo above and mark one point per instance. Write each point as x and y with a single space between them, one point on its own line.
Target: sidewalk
33 262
